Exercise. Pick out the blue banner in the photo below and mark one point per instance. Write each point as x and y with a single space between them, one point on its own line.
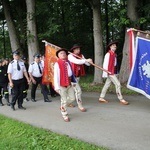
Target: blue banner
139 79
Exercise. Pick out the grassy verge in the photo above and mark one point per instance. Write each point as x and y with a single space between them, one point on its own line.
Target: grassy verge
15 135
86 85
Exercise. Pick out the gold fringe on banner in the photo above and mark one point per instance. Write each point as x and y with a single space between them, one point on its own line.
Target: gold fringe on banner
145 34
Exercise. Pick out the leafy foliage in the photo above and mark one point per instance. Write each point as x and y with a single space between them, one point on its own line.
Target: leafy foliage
66 22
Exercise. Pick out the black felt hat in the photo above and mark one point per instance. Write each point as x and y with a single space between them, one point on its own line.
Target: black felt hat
62 49
111 43
74 47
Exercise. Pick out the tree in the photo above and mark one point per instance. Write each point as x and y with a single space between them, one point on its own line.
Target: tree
32 40
132 12
98 41
11 27
133 15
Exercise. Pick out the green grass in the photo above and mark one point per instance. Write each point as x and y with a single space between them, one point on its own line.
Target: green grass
15 135
86 85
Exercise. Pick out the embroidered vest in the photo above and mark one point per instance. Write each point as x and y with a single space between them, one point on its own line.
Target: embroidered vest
78 69
111 64
64 79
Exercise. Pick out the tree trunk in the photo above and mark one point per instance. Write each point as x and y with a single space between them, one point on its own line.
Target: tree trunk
98 41
125 70
133 15
32 41
132 12
14 41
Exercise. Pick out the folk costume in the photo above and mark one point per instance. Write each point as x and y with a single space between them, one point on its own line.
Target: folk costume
110 62
64 81
78 69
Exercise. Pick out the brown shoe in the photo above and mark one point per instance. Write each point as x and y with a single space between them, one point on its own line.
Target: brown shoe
82 109
71 105
66 118
101 100
123 102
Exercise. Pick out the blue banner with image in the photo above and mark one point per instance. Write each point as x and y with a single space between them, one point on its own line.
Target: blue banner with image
139 79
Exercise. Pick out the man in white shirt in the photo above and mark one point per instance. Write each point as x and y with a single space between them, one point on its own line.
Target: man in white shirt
77 62
64 80
16 71
110 62
35 72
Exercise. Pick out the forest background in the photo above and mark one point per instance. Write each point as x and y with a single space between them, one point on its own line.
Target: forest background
90 23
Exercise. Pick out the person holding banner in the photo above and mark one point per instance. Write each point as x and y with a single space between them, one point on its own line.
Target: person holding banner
77 62
64 80
110 61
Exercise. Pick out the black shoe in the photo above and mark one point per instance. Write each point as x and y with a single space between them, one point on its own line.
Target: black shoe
27 99
33 100
21 107
47 100
8 104
1 104
12 107
54 95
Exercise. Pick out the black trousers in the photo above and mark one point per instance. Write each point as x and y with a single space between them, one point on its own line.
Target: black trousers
17 92
26 87
43 88
5 90
52 91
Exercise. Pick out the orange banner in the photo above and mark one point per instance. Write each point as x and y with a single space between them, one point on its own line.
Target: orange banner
49 61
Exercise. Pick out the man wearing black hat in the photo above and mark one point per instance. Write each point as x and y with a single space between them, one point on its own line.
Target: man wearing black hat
110 62
64 80
16 71
77 62
36 71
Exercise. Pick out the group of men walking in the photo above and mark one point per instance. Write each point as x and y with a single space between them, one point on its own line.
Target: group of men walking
67 72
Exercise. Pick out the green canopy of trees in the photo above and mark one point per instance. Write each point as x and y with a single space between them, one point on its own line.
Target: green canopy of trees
66 22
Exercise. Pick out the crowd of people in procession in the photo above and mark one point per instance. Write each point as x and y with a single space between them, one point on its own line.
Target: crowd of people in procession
69 67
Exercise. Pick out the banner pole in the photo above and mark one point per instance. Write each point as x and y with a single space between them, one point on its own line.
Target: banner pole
57 47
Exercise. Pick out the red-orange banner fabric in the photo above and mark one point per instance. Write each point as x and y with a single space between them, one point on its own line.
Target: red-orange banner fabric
49 61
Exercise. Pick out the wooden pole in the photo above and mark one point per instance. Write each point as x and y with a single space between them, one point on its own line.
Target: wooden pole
57 47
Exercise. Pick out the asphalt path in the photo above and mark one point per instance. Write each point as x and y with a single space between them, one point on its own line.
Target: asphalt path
112 125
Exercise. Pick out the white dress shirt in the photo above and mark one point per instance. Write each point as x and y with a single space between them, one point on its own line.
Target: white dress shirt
106 63
34 69
77 61
15 73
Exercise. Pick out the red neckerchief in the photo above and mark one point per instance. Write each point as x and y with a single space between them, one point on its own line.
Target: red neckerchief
78 69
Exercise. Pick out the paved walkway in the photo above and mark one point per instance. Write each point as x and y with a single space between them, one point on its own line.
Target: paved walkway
112 125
